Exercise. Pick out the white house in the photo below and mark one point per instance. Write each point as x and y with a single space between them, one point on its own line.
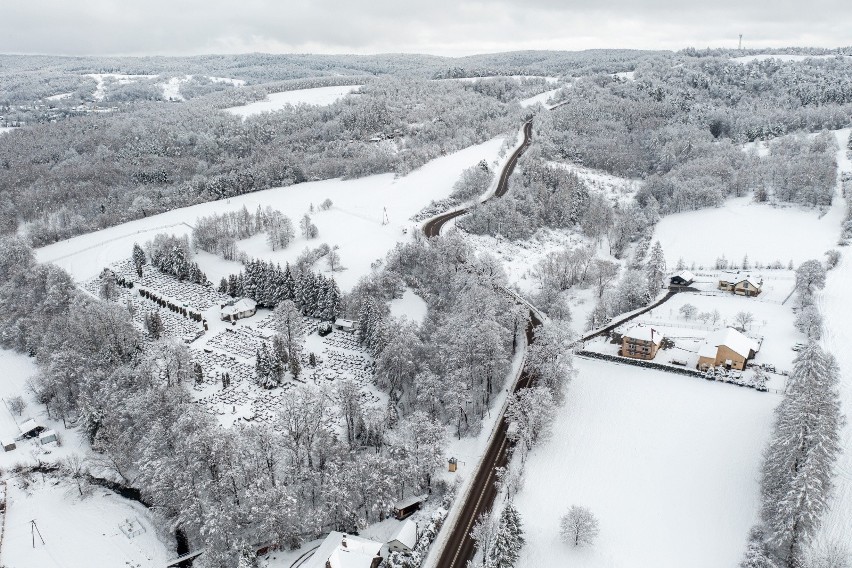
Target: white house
405 538
340 550
345 325
242 308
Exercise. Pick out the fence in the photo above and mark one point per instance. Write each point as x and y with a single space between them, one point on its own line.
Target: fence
668 368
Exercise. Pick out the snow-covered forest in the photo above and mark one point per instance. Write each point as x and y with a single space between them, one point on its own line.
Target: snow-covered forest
232 372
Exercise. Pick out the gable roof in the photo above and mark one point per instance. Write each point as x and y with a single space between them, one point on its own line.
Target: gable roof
685 275
358 552
407 534
752 281
240 306
644 333
730 338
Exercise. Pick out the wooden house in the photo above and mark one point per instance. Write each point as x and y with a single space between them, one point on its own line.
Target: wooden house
742 284
640 342
408 507
683 278
726 348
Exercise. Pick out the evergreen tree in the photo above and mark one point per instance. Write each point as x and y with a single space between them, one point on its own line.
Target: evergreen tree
138 259
656 269
802 450
756 554
510 539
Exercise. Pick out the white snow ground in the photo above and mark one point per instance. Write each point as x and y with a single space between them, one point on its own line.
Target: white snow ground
120 78
541 98
77 532
409 306
319 96
354 222
741 227
835 304
5 129
668 464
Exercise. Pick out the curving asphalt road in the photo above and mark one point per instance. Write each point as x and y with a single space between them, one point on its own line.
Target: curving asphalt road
460 547
432 228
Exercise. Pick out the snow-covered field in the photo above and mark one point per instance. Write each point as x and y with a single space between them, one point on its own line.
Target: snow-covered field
409 306
668 464
835 303
319 96
741 227
5 129
541 98
354 223
119 78
763 232
77 532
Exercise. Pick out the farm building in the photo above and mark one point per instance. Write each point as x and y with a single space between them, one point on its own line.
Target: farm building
742 284
405 538
727 348
408 507
683 278
640 342
239 309
339 550
345 325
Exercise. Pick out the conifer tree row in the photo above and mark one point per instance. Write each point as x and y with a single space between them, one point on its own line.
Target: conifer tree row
268 284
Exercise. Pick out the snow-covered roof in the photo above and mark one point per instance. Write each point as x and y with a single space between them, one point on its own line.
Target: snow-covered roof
405 503
754 283
730 338
686 275
643 333
358 552
407 534
344 323
28 426
737 277
240 306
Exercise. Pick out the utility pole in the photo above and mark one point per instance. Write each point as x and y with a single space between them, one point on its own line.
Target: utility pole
34 530
741 42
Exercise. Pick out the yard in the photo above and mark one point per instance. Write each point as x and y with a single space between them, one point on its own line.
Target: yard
667 464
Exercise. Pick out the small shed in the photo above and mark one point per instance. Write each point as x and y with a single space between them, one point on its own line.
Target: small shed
682 278
345 325
405 538
47 437
30 428
408 507
8 445
453 465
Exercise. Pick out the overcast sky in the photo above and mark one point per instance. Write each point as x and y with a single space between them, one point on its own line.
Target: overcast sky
441 27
